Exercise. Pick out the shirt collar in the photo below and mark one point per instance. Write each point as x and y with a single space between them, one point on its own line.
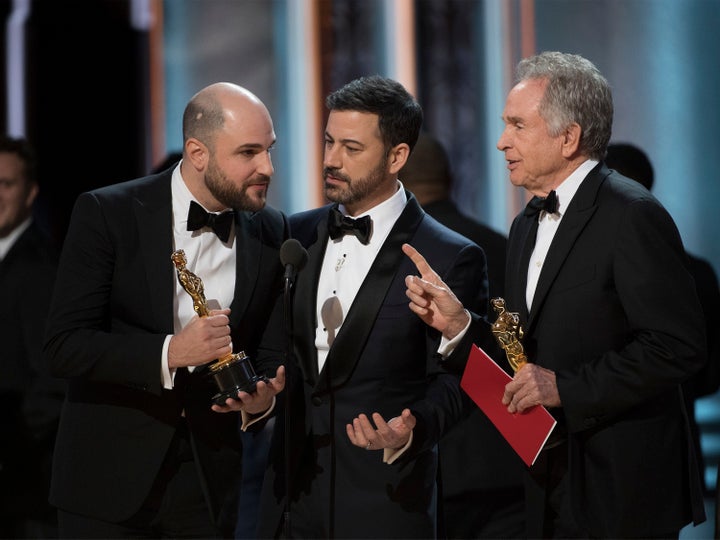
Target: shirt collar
7 242
181 198
567 189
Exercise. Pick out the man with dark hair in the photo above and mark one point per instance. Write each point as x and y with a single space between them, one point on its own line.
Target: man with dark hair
30 398
369 395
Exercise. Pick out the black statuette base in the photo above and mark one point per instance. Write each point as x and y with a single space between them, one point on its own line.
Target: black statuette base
233 377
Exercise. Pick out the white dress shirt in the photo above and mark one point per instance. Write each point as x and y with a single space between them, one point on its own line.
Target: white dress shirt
345 266
548 225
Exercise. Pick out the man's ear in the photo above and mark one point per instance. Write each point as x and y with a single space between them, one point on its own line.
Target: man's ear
32 193
397 157
196 153
571 140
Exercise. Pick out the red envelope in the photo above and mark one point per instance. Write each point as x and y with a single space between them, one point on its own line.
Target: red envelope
484 381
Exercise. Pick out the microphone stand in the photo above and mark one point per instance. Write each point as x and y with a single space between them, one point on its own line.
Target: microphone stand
293 256
287 310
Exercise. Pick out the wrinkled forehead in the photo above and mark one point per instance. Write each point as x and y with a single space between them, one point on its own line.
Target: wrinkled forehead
526 95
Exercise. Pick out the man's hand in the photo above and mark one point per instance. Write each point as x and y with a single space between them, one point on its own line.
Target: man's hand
260 400
532 385
432 300
393 434
203 340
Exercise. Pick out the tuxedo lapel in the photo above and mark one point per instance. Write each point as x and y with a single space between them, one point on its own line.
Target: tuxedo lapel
248 252
528 246
350 342
304 307
154 223
520 246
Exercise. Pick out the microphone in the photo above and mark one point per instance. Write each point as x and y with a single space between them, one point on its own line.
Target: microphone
293 257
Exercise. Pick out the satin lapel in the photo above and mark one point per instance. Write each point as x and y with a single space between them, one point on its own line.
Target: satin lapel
154 224
248 250
350 342
578 213
304 303
520 246
528 246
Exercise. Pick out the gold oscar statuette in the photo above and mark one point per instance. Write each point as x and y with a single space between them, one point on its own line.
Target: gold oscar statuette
234 371
508 333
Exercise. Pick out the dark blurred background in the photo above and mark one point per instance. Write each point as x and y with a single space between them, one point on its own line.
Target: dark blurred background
99 87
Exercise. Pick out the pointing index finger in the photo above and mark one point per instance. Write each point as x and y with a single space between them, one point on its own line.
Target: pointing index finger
421 264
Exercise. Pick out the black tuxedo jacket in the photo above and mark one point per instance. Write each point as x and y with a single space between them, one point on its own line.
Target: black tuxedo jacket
382 360
616 317
30 399
111 312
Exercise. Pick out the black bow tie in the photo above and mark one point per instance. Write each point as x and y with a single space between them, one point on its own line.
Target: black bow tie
549 204
339 225
219 223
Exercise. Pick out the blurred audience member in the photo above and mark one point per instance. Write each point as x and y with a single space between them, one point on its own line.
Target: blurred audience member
632 162
481 475
29 397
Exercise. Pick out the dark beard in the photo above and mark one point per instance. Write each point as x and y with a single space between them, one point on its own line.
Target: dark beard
356 189
226 192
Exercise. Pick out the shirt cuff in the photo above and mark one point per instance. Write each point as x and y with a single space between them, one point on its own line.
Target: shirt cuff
447 346
249 419
167 378
390 455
